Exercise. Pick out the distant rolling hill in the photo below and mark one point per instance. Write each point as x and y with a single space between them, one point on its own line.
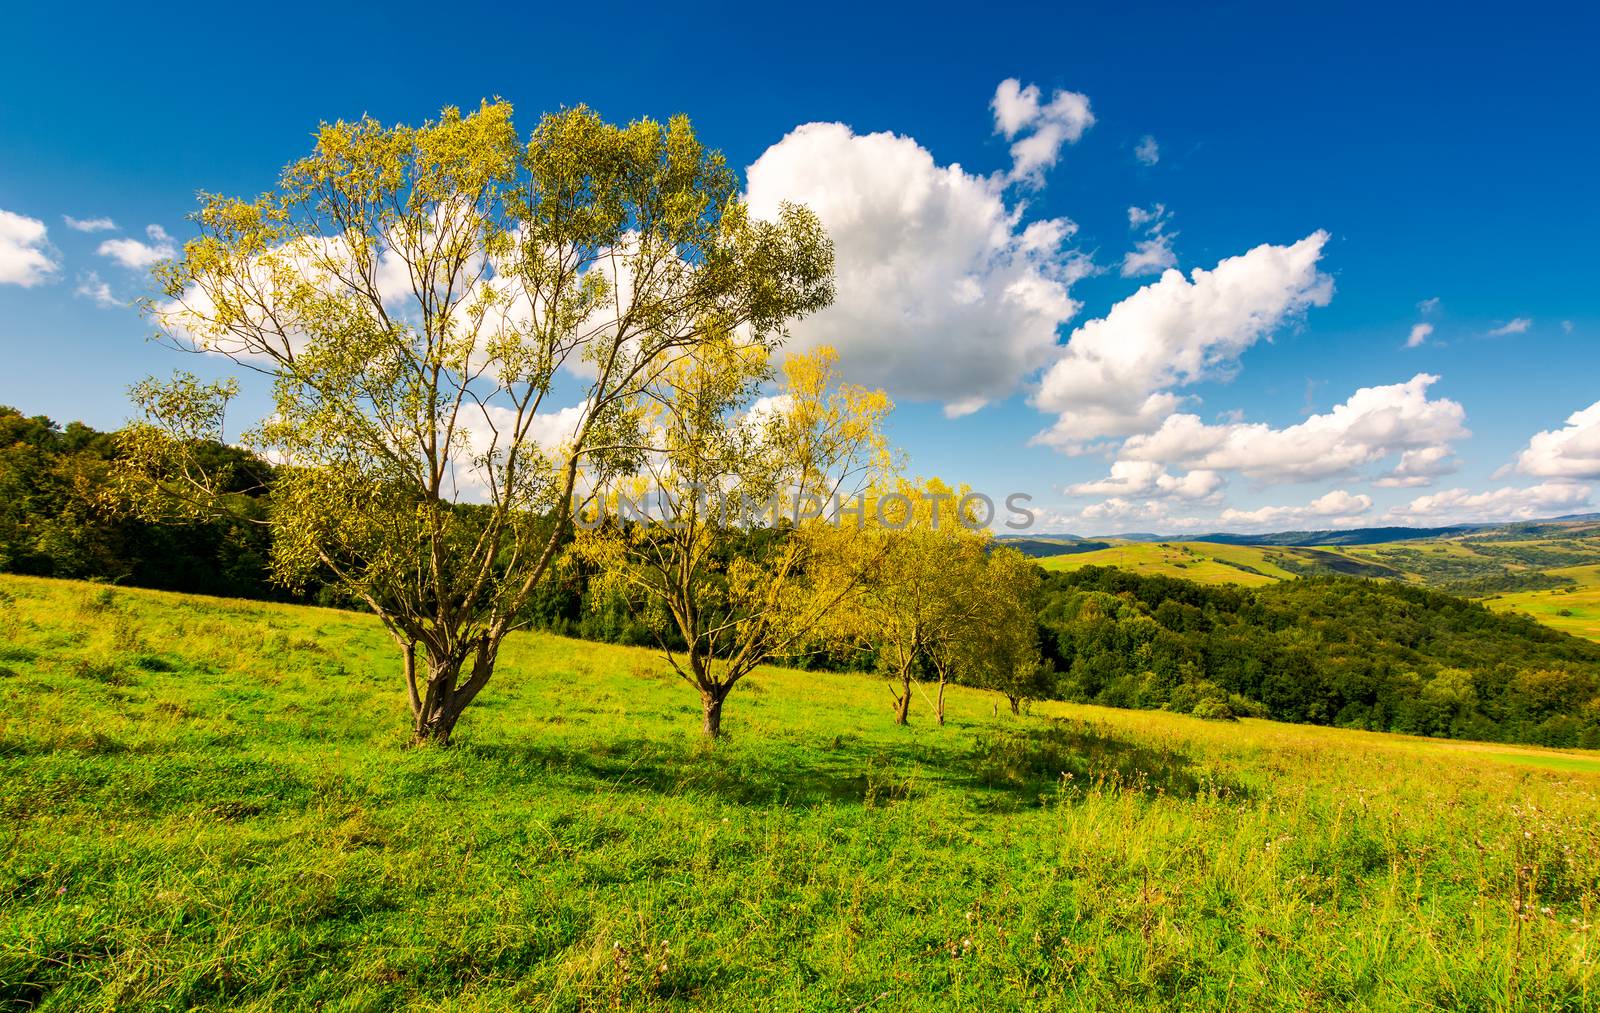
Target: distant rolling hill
1053 546
1197 561
1549 570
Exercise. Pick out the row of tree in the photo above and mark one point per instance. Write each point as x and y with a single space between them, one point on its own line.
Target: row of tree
423 298
56 519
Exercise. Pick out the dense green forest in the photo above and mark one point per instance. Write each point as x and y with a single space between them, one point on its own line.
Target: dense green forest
1337 650
57 518
1322 650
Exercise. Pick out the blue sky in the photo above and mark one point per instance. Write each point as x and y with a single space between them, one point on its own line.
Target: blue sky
1436 153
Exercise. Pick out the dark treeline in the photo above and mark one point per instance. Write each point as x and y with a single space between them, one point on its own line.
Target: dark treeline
57 519
1343 651
1333 650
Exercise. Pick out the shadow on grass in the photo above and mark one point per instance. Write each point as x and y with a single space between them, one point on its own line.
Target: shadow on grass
1001 768
1072 758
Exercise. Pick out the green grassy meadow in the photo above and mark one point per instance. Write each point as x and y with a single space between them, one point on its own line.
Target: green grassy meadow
211 804
1205 562
1574 609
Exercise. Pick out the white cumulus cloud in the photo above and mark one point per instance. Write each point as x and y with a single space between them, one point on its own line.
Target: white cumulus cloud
1147 478
1455 506
1116 375
136 255
1038 130
91 287
1569 452
1418 467
1153 254
1148 152
1150 256
1419 334
1370 425
1125 512
943 293
1339 508
26 258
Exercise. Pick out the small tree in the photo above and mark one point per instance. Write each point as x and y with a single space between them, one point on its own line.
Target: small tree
734 590
922 601
1001 649
415 296
984 633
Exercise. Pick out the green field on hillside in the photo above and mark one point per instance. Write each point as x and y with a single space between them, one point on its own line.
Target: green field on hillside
1205 562
211 804
1478 566
1574 609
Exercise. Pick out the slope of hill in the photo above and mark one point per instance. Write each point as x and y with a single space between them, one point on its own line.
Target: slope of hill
1051 545
1548 570
210 804
1381 655
1205 562
1573 608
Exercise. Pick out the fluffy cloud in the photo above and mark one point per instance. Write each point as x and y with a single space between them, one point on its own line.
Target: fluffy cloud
1429 305
1123 511
135 255
1114 377
1338 508
1419 334
1147 478
1517 325
1418 467
1372 424
1455 506
95 290
25 254
1148 151
1153 254
1047 126
89 224
1149 256
943 294
1571 452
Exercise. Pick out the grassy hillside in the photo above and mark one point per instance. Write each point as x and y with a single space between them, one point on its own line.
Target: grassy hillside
1205 562
210 804
1541 570
1574 608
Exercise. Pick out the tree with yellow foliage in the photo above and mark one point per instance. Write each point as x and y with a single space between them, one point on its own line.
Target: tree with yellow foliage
414 296
942 604
720 531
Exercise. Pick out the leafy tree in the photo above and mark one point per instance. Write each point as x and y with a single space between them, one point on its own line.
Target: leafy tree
727 590
921 609
422 299
999 649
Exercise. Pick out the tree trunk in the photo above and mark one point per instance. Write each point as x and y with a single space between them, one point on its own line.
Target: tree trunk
902 702
1016 704
711 700
436 714
938 703
446 695
436 728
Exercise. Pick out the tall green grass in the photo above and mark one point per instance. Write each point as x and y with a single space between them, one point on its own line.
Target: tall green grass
210 804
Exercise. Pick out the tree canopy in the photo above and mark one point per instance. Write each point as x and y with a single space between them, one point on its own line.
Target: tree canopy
456 324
